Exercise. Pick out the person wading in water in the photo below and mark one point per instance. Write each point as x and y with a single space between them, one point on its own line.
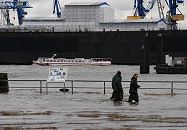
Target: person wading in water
133 91
117 94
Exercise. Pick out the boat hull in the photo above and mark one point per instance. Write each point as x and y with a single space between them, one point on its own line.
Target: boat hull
171 69
121 47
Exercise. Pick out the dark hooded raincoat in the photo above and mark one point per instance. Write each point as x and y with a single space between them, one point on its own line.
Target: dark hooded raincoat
117 88
133 90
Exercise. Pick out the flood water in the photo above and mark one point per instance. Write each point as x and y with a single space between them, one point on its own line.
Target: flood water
89 108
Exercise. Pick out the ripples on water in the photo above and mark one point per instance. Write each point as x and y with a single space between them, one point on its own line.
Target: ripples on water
86 72
90 108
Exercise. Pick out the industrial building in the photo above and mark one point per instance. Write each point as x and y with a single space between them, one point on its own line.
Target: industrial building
90 16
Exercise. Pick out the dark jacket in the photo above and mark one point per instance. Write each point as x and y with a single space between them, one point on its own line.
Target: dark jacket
133 86
116 83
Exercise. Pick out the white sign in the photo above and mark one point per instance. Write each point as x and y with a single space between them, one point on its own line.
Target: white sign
57 74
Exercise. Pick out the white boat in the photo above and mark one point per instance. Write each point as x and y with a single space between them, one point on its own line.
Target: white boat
76 61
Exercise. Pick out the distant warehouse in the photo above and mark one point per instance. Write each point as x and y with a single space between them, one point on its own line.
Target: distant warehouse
90 16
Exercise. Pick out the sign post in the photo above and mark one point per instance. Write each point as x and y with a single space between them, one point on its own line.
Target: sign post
57 74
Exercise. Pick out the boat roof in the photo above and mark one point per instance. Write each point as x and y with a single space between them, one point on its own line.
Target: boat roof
87 4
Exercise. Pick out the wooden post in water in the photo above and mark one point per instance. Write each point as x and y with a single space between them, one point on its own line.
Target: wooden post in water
4 88
144 62
160 50
40 87
104 87
172 92
72 86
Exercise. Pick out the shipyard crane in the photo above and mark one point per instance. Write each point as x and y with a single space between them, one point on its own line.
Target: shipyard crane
6 17
18 5
141 11
57 8
173 17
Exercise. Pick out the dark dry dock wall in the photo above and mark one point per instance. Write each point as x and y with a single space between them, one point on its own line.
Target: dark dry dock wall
122 47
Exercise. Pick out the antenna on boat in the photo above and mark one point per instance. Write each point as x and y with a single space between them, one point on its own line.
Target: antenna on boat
54 56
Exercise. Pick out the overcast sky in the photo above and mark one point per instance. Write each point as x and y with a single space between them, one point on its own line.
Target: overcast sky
123 8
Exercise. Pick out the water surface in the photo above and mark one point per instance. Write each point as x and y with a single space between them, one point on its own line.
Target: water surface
88 108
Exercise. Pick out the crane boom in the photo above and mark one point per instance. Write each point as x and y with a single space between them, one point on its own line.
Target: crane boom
173 4
16 5
57 8
141 11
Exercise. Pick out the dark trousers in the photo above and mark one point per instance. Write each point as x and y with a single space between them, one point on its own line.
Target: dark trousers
133 96
117 95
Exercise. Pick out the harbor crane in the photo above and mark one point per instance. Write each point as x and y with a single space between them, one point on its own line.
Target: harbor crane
18 5
57 8
141 11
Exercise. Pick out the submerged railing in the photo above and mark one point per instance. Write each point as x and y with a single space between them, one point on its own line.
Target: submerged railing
70 84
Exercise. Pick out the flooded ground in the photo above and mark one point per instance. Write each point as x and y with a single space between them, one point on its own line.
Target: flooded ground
88 108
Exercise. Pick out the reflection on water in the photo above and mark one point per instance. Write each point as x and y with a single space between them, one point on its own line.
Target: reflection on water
22 113
90 109
28 128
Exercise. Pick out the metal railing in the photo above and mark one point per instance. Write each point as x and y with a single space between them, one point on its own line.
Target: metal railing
72 86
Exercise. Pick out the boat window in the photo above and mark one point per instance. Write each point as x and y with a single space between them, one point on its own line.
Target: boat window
47 60
51 61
